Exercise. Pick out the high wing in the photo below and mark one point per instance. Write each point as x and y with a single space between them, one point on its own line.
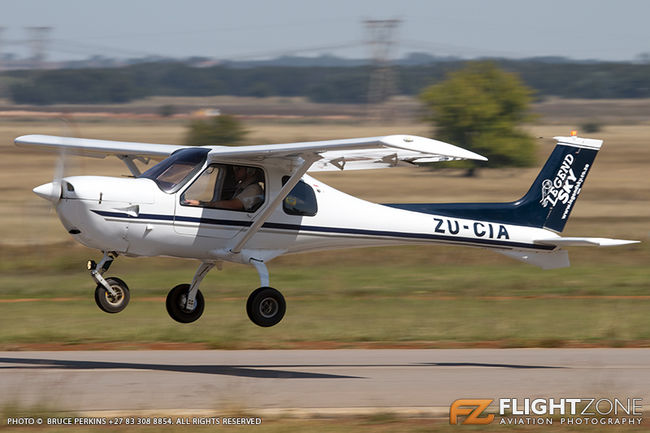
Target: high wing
354 154
349 154
97 148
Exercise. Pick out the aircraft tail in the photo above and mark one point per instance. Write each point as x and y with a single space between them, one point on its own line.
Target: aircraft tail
548 202
550 199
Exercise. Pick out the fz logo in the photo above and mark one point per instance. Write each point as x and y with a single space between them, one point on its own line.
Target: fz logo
471 408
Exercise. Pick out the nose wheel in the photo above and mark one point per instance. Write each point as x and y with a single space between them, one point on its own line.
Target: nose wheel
266 307
117 300
111 294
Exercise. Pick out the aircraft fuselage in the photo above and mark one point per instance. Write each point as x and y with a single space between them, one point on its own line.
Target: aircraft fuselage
135 217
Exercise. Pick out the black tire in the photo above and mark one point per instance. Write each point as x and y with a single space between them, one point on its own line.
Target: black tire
249 302
109 303
176 304
266 307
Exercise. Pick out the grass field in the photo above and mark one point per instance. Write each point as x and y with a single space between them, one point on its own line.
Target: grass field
415 296
342 301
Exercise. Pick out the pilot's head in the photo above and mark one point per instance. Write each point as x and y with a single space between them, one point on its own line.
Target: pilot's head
241 172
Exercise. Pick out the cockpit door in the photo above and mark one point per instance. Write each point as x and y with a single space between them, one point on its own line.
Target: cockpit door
201 206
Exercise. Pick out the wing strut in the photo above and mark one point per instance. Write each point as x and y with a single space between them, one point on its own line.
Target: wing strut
261 219
128 160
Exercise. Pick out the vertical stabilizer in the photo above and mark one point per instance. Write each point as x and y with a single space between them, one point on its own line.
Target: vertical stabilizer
559 183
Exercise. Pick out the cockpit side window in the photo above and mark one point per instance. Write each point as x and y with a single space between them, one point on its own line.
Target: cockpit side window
229 187
301 200
172 173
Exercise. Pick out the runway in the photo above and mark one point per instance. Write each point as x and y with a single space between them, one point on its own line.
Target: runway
314 379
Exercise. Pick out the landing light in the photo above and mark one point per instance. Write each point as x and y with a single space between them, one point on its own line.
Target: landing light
91 265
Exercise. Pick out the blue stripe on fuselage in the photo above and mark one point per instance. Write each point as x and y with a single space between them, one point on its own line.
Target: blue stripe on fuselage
335 230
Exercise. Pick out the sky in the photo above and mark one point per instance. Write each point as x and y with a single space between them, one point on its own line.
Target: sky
243 30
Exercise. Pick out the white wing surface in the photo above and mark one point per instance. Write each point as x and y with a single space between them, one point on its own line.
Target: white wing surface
355 153
349 154
96 148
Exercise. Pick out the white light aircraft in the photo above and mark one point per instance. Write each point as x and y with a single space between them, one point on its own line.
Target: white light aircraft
250 204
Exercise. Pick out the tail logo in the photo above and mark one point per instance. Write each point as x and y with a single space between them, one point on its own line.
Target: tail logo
560 188
547 186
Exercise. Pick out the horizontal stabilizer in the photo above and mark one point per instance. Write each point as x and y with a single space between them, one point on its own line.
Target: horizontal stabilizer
545 260
584 242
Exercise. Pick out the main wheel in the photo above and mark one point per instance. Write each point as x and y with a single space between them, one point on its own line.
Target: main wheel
176 300
266 307
112 303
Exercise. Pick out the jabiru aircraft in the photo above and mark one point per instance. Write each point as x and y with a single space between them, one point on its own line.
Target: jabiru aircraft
251 204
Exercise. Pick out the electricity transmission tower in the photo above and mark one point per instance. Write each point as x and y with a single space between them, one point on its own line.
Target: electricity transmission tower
2 30
381 34
38 42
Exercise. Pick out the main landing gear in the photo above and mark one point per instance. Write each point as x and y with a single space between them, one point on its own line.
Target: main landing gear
185 303
265 306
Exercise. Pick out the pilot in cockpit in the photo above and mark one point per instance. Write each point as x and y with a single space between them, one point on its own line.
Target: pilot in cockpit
247 193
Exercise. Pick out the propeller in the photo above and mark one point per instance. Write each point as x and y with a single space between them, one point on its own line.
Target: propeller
53 191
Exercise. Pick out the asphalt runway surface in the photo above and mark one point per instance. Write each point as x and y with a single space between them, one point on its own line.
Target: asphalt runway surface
91 381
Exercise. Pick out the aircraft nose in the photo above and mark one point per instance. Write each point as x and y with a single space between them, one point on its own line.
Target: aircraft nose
49 191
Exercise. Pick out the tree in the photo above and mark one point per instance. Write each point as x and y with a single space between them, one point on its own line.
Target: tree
480 108
224 130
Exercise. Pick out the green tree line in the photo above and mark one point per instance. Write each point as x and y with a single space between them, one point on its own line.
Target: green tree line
319 84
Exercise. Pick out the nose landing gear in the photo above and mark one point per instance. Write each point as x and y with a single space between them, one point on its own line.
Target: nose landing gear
111 294
112 302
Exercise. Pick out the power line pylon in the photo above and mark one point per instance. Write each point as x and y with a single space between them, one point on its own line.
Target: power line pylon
2 30
38 40
381 40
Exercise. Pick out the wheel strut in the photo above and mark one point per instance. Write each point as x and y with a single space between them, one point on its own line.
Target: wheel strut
265 306
111 294
97 270
201 272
